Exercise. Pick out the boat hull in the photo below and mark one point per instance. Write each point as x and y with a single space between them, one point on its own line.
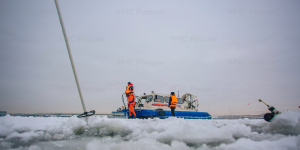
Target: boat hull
160 113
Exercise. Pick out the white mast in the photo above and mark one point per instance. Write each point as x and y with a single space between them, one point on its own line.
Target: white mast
70 54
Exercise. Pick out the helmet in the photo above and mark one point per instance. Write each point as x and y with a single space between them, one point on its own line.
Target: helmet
129 82
172 93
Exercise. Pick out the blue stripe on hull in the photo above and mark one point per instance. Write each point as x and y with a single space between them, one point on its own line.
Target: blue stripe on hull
146 113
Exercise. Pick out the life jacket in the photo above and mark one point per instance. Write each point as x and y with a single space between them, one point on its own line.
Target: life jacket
174 101
131 99
129 89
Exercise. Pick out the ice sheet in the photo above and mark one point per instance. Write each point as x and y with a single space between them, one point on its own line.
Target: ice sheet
172 133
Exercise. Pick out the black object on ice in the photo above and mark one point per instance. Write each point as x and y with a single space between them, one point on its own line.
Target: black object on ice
87 114
269 116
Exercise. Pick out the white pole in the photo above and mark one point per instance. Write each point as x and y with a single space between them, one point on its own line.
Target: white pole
70 54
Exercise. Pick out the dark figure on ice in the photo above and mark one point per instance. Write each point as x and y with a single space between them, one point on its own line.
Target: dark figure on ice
173 103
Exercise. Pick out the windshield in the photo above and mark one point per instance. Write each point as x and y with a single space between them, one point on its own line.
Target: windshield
159 99
148 98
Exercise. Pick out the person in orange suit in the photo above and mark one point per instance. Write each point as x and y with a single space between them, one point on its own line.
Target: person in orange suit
129 89
131 103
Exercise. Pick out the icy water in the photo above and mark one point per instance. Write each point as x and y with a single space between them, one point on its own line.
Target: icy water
101 133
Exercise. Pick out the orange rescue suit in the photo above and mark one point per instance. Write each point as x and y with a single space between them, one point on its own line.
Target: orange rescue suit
129 89
173 102
131 102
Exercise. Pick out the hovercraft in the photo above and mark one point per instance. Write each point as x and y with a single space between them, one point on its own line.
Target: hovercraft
156 106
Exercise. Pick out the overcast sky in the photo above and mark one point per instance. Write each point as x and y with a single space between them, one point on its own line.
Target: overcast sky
227 53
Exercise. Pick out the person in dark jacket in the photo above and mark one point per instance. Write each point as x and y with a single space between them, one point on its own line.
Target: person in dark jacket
173 103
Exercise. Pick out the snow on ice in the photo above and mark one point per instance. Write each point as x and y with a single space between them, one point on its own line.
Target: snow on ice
104 133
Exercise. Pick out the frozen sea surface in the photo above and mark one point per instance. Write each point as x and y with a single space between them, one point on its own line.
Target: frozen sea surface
101 133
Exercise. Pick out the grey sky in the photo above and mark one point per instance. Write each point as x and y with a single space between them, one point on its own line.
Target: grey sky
228 53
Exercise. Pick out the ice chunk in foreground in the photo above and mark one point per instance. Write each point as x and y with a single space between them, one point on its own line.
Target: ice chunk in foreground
171 133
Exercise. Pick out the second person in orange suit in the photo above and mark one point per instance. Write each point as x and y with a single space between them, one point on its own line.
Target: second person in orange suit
131 103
